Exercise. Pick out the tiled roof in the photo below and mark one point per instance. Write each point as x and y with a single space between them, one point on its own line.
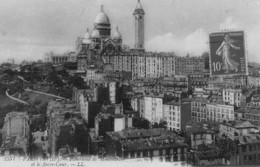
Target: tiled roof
210 125
140 139
255 111
239 124
153 143
173 103
207 154
240 110
200 99
249 139
196 130
244 124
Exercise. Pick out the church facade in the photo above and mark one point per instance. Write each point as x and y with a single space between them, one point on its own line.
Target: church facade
101 47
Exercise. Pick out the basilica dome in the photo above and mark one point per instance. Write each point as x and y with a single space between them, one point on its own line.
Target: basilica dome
102 18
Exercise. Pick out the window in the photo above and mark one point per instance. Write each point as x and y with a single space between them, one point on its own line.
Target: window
175 158
243 148
167 151
145 153
161 152
132 154
138 154
126 155
250 148
182 157
151 153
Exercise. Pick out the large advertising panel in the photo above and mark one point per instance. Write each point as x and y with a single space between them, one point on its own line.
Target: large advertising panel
227 53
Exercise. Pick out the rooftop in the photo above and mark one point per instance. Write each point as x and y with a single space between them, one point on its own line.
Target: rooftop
249 139
240 110
239 124
14 142
212 154
200 99
154 95
173 103
140 139
253 110
200 130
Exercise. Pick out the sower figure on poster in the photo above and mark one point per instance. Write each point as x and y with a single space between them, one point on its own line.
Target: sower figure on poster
224 50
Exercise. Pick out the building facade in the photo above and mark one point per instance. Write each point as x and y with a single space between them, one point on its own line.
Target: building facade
177 114
233 96
153 108
204 109
189 65
236 128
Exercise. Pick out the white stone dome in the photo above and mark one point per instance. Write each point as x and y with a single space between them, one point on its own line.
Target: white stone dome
117 34
102 18
87 35
95 33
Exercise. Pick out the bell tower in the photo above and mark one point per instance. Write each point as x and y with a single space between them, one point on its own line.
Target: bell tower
139 26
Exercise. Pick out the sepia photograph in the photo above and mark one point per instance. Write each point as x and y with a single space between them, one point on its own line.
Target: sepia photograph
86 83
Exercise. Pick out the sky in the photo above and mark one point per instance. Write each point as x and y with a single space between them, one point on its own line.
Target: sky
31 28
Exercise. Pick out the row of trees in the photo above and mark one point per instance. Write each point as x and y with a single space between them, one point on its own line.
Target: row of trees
142 123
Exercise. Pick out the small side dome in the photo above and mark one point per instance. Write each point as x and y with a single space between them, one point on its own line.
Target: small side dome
117 34
108 68
86 41
87 38
95 33
87 35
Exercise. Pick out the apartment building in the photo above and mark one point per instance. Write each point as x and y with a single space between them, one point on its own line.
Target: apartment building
233 96
153 108
189 65
177 114
204 109
219 112
232 129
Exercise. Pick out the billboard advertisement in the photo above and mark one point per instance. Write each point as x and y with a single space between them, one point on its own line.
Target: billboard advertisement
227 53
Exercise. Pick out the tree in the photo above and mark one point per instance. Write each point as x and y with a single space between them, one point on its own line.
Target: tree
9 72
140 123
162 124
64 74
77 82
227 147
53 77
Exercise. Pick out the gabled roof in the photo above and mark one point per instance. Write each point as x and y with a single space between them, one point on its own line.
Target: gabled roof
239 124
249 139
244 124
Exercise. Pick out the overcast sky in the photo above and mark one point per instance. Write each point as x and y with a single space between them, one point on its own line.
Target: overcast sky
30 28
